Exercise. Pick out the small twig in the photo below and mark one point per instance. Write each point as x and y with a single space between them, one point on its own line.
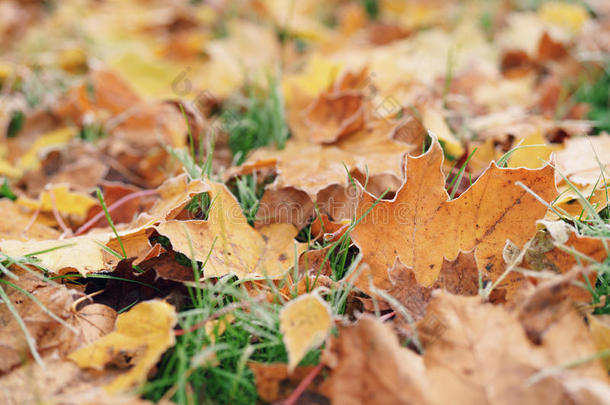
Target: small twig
66 231
293 398
83 298
33 219
93 221
387 316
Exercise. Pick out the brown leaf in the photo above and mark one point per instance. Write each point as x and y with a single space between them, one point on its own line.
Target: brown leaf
49 334
483 356
61 382
308 174
459 277
334 115
368 366
421 227
274 382
19 228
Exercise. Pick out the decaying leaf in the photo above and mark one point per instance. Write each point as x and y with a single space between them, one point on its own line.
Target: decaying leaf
305 323
422 227
141 336
17 228
84 254
48 314
581 159
482 355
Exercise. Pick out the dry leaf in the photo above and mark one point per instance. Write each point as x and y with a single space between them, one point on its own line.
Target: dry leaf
582 157
422 227
50 333
232 245
305 323
459 277
368 366
17 228
142 335
274 382
334 115
61 382
482 355
84 254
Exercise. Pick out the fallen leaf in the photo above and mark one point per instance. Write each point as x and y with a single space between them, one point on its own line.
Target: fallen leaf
274 382
174 194
60 333
61 382
581 159
65 201
368 365
304 323
141 336
460 277
482 355
422 227
227 244
84 254
334 115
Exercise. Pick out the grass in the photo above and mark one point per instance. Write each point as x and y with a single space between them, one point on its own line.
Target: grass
15 124
596 93
256 121
208 363
92 132
5 190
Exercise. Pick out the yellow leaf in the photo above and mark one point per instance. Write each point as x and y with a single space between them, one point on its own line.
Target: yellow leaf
143 334
149 75
66 201
217 327
82 253
30 160
532 157
435 123
233 246
304 322
317 76
568 15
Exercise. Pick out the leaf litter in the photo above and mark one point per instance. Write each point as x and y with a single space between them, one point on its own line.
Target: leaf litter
304 202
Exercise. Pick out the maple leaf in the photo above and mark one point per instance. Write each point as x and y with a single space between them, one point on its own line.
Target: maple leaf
227 244
422 227
143 334
308 174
